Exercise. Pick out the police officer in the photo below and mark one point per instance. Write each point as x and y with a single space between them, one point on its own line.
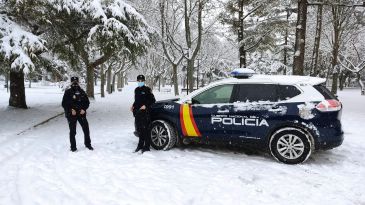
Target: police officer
143 99
75 102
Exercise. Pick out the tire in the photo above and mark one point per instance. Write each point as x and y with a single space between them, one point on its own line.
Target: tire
290 145
163 135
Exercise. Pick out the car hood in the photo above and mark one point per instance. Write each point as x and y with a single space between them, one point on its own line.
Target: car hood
168 100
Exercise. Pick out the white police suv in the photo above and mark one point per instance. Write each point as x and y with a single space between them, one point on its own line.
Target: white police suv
288 116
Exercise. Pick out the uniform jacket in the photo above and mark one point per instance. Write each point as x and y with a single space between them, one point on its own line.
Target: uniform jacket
143 96
75 98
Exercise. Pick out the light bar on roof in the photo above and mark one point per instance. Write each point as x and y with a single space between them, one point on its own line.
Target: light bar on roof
242 73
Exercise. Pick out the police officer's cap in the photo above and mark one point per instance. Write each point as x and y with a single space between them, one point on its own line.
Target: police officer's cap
74 79
141 78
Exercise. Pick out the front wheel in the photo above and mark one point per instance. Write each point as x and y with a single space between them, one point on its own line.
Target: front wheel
163 135
290 146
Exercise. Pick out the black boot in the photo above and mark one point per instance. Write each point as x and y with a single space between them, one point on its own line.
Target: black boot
73 149
145 150
90 147
137 149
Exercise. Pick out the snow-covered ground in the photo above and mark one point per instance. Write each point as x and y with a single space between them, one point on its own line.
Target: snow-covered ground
36 166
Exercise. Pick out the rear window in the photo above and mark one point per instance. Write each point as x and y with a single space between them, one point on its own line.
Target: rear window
256 93
286 92
325 92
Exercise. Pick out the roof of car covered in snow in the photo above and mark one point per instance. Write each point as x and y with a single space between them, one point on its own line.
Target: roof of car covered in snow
277 79
264 79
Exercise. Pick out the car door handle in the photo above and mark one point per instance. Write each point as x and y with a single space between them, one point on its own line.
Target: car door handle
223 111
276 109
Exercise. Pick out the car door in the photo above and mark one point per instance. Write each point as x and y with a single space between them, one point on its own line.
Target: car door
255 110
207 111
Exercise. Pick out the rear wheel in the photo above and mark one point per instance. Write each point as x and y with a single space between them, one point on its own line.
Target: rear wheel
290 145
163 135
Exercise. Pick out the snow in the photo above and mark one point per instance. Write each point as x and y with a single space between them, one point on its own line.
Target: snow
305 110
18 45
38 168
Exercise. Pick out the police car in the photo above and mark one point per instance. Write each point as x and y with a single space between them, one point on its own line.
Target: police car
287 116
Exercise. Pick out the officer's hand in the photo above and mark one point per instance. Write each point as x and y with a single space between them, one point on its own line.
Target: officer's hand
132 108
73 112
82 112
143 107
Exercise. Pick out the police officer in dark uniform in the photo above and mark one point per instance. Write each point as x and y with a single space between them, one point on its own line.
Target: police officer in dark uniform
75 102
143 99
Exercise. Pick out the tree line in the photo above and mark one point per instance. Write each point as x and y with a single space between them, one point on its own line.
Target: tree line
185 43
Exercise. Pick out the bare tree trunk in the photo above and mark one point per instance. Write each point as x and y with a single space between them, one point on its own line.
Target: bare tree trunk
174 79
7 81
342 79
119 81
242 51
286 41
360 83
96 79
159 84
30 81
192 52
123 79
113 83
90 81
336 47
108 80
317 42
17 90
102 82
298 65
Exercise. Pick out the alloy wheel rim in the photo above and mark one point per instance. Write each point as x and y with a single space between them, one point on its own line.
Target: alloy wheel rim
290 146
159 135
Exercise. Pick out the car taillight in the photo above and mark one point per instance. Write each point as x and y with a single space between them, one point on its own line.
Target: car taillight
329 106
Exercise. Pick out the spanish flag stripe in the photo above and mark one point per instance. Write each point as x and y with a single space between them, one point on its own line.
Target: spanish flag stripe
194 124
187 121
182 120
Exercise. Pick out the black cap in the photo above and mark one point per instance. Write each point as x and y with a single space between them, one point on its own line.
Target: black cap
141 77
74 79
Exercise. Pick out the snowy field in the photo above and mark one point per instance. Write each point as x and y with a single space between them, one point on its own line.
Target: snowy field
36 166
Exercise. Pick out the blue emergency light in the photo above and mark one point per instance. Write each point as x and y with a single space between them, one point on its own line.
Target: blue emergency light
242 73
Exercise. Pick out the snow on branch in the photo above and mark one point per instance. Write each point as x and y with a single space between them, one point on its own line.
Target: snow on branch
115 16
352 68
17 45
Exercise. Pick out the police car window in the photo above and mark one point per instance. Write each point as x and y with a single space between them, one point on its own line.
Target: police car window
218 94
256 93
286 92
325 92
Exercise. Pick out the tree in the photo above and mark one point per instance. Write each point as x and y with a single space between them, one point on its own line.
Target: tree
317 42
83 33
19 49
96 31
342 24
357 69
189 11
170 27
298 64
259 25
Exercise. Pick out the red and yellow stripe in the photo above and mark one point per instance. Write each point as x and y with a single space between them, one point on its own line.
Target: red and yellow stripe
187 122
